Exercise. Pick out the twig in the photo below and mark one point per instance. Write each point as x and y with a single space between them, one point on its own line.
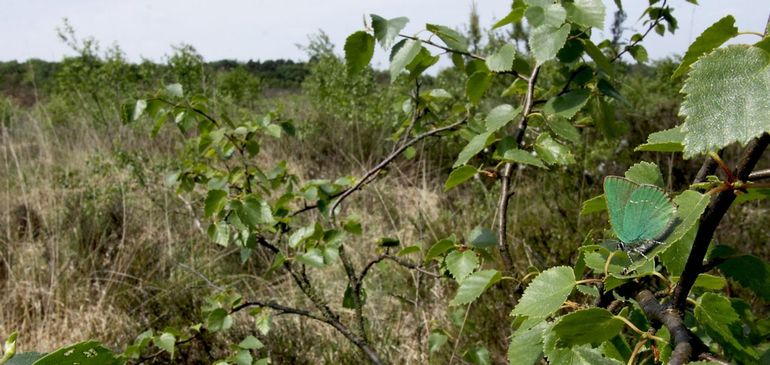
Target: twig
759 175
502 218
650 28
463 53
369 174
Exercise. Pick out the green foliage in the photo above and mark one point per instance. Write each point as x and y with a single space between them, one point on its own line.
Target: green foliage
737 76
84 353
711 38
546 293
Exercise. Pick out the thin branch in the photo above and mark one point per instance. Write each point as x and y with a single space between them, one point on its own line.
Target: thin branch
759 175
502 228
399 261
368 176
650 28
463 53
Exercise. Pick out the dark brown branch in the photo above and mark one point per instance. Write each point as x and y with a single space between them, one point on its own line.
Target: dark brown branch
327 315
369 175
505 195
672 319
358 341
710 220
400 261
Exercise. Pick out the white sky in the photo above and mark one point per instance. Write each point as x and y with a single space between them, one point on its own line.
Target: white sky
271 29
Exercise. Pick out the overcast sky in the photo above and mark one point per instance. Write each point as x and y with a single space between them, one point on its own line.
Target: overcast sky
270 29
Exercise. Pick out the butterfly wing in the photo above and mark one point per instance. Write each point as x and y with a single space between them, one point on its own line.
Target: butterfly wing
648 214
617 192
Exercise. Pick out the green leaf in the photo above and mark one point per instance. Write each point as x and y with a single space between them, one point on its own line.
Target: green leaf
546 15
301 235
588 326
482 238
473 147
588 13
710 282
478 355
645 173
215 201
527 344
408 250
449 36
546 41
255 212
243 357
569 104
594 205
421 62
402 56
751 272
313 257
598 56
675 256
523 157
606 88
500 116
563 128
578 355
219 320
726 99
440 247
359 48
473 286
711 38
251 343
174 90
459 176
639 53
83 353
386 30
716 314
669 140
166 342
219 233
513 17
502 60
477 85
546 293
461 264
551 151
436 340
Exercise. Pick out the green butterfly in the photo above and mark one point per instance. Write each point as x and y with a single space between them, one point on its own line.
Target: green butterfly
640 215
